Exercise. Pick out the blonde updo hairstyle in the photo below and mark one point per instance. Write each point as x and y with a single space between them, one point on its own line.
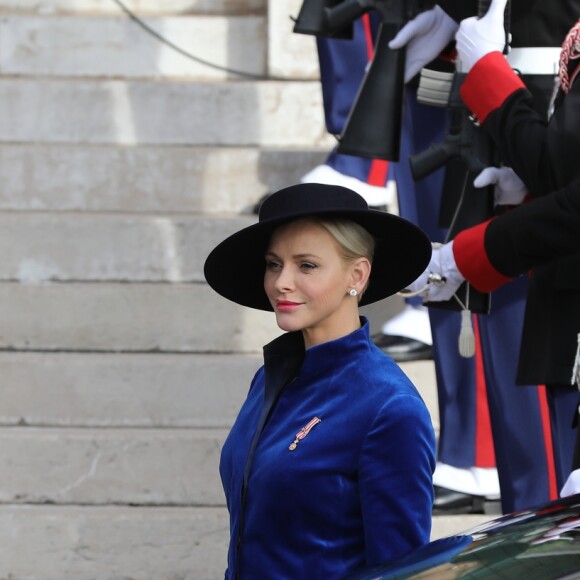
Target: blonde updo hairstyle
353 240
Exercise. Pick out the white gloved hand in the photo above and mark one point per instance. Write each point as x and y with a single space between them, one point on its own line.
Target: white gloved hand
509 188
441 279
425 36
477 37
572 484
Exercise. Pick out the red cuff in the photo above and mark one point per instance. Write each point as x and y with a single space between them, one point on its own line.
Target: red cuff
473 262
488 84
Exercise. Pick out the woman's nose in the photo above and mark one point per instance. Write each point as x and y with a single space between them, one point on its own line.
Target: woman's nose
285 280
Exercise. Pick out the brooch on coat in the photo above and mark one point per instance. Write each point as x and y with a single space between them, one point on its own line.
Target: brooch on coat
303 432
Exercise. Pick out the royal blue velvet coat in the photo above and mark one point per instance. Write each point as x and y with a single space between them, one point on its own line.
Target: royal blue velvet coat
329 465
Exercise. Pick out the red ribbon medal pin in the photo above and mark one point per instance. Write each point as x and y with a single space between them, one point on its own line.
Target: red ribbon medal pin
303 432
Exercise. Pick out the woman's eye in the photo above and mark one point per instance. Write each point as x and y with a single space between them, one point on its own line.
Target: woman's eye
272 266
308 266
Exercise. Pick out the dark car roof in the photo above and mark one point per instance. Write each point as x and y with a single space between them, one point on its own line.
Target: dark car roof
538 544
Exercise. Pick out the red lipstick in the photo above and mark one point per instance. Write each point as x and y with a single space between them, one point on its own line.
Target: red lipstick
286 305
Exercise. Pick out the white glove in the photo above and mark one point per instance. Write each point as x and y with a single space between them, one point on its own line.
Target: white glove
572 484
425 36
477 37
509 188
441 279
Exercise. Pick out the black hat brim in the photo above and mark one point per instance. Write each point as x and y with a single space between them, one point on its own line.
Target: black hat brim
235 268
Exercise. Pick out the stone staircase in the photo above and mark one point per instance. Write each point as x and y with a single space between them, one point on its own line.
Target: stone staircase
122 162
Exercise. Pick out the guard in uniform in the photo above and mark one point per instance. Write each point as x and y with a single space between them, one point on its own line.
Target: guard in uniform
523 424
544 154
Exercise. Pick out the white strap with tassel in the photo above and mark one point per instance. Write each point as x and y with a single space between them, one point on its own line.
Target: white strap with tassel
466 335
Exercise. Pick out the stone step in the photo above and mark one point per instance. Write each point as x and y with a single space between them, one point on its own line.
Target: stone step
38 247
123 390
128 317
458 524
290 54
146 179
71 39
48 7
111 466
115 47
108 543
63 247
245 113
136 317
140 390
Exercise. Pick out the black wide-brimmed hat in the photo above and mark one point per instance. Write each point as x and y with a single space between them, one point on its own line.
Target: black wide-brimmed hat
235 268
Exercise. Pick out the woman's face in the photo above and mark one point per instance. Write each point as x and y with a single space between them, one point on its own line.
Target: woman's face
307 282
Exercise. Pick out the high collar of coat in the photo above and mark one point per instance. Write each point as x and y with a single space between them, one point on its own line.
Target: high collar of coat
285 356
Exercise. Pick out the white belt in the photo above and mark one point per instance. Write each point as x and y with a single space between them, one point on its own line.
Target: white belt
535 60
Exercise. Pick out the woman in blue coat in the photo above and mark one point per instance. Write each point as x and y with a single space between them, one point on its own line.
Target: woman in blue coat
328 467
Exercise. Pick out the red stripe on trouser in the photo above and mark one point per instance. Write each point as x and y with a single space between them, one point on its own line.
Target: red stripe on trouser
484 451
548 443
378 172
379 167
366 22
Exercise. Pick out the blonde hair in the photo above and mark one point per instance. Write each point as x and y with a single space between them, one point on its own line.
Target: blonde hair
353 239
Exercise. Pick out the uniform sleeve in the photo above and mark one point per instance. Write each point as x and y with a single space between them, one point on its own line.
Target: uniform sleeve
543 154
489 84
473 262
396 486
537 232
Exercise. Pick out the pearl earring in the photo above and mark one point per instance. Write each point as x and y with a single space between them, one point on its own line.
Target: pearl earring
352 292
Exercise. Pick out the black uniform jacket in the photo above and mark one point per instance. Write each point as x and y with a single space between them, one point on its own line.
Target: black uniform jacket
528 236
531 235
531 22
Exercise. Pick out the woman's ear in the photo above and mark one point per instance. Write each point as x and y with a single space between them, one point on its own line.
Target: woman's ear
359 275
